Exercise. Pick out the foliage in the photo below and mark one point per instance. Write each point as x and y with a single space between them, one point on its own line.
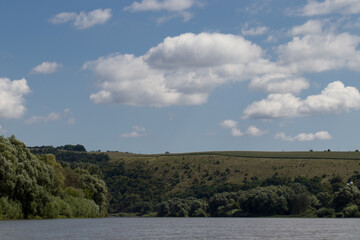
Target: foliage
325 212
38 186
347 195
10 209
176 207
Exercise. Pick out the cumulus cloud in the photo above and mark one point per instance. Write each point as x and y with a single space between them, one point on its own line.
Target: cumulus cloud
46 67
314 8
12 98
256 31
228 123
182 70
254 131
334 99
202 50
138 131
310 27
83 20
314 50
236 132
51 117
185 69
322 135
129 80
279 83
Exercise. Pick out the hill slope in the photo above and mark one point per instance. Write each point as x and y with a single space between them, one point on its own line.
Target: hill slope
235 167
225 183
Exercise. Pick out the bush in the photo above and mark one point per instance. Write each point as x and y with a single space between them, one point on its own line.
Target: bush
325 212
347 195
351 211
10 209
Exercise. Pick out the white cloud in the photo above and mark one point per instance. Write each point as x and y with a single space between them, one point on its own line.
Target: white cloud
71 121
256 7
228 123
314 8
139 131
279 83
182 70
185 15
314 50
202 50
310 27
46 67
322 135
178 7
185 69
334 99
12 97
83 20
274 106
159 5
54 116
256 31
236 132
139 128
129 80
271 39
254 131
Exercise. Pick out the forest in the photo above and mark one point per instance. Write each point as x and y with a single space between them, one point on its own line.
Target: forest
68 181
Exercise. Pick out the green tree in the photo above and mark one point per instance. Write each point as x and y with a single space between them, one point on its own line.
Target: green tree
349 194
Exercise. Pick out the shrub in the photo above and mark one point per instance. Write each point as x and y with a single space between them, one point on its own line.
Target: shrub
10 209
325 212
351 211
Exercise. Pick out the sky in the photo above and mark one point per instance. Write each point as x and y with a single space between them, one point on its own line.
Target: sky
151 76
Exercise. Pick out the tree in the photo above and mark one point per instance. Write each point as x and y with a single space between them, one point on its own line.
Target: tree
347 195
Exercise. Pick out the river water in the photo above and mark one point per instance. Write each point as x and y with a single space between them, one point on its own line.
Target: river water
182 228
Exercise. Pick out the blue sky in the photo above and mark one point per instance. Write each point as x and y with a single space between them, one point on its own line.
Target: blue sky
150 76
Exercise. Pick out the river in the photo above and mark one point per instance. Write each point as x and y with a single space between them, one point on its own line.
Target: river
181 228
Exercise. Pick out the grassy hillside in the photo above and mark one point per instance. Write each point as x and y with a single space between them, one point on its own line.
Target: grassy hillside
237 167
225 183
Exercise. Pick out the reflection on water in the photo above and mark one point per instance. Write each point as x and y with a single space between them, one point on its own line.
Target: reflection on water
181 228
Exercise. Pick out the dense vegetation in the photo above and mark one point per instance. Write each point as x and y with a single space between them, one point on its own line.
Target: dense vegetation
67 181
39 187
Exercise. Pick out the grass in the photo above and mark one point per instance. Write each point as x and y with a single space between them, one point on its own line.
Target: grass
237 167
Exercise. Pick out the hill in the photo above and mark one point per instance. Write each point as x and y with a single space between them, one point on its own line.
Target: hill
224 183
237 167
